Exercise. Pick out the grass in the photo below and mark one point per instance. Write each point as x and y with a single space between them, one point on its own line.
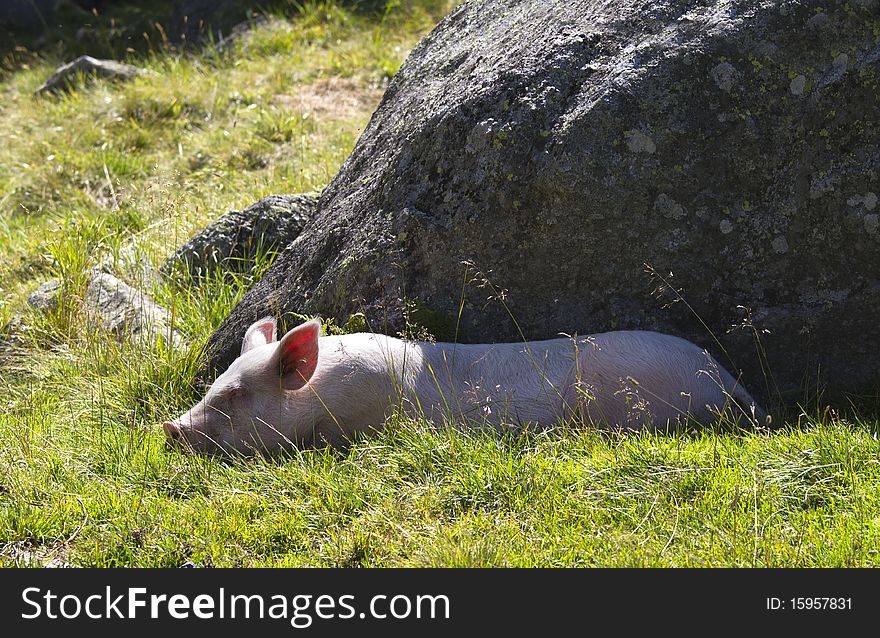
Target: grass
85 478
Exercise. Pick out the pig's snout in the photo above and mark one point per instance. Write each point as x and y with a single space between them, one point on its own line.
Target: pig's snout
179 434
172 431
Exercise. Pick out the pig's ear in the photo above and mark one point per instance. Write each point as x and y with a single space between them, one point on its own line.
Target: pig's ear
298 354
259 334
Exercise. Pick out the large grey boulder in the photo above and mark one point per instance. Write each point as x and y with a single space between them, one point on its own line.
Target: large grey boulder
233 242
564 145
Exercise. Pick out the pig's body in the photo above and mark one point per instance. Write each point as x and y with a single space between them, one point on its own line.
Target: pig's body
307 390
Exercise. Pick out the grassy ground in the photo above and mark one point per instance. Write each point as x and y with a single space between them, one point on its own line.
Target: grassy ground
84 475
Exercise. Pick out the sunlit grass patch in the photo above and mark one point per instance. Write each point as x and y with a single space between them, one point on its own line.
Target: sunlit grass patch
117 176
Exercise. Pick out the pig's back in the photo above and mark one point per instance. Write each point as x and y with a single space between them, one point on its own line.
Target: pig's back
642 379
632 379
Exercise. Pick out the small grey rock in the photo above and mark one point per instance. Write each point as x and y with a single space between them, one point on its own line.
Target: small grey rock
45 297
132 264
12 335
65 75
114 306
233 241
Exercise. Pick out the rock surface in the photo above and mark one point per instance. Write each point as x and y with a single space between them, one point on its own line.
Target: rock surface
13 334
65 76
110 304
233 242
114 306
563 145
45 297
130 263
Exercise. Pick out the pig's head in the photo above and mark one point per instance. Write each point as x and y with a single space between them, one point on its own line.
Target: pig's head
259 403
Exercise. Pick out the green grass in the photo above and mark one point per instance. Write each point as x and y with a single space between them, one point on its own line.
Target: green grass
85 478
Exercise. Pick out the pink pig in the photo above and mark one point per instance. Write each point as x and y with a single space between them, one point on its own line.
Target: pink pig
310 390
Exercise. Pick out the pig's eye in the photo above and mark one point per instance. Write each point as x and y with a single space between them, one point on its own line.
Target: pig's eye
232 392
